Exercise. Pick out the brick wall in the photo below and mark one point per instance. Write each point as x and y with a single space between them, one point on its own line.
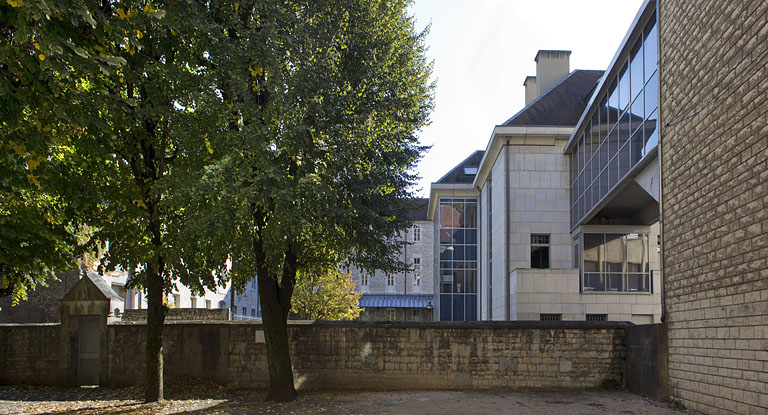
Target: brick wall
714 155
377 356
180 314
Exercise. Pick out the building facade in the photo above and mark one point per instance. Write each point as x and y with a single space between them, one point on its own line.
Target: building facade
403 296
557 219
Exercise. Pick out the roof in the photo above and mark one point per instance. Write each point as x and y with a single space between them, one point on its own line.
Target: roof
91 287
463 172
562 104
419 209
102 285
396 301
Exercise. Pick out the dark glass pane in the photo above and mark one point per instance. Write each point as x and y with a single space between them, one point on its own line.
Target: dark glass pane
572 161
614 282
446 264
458 236
588 174
636 114
470 215
613 172
470 265
471 236
613 103
614 252
604 122
470 253
446 235
445 307
446 252
458 308
604 183
576 154
539 257
446 283
470 279
651 94
624 87
582 151
637 146
593 252
624 127
458 282
458 252
613 141
637 253
587 142
603 152
471 308
636 69
650 44
638 282
593 282
651 133
624 161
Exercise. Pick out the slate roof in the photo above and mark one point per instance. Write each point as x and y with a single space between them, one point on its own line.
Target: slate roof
103 286
396 301
562 104
419 209
458 174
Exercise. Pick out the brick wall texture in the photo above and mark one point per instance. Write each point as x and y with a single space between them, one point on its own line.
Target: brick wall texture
714 96
538 355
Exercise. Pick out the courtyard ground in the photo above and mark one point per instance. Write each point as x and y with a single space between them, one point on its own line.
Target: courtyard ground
200 397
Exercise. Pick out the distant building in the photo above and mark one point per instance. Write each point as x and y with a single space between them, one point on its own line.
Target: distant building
403 296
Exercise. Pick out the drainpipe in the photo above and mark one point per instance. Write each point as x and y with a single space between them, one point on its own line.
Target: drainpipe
661 170
507 305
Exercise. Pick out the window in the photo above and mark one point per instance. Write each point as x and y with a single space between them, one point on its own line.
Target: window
615 262
550 317
208 304
539 251
364 278
253 312
391 314
177 300
245 311
458 252
416 233
390 279
416 263
597 317
417 278
193 302
416 315
417 271
253 283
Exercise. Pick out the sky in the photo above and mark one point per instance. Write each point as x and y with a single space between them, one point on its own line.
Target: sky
482 52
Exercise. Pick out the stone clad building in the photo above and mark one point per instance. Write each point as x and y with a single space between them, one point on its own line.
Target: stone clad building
714 163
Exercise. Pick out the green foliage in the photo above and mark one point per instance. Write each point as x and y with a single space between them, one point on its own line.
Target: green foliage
326 295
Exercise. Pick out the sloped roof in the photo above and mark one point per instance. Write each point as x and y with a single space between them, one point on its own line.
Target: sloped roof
396 301
459 174
562 104
91 287
419 209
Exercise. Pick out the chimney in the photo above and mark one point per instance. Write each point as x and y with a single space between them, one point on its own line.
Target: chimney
551 67
530 89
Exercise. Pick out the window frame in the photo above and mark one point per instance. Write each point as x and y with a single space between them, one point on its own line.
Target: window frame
547 245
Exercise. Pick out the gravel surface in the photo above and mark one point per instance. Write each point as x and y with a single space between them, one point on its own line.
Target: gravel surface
201 397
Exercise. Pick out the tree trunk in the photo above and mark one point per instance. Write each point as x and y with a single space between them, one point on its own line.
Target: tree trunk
274 317
156 310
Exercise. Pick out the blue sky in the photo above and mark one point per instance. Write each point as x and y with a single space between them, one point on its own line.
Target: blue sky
484 49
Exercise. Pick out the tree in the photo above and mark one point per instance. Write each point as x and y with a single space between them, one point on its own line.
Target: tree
314 163
122 85
326 295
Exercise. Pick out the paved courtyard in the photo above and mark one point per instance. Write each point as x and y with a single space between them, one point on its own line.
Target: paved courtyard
199 397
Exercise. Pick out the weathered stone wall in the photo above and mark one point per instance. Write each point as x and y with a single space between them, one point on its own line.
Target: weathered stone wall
31 354
371 355
42 304
180 314
714 161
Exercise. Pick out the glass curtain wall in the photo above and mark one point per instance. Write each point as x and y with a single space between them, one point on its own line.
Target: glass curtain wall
458 259
622 128
616 262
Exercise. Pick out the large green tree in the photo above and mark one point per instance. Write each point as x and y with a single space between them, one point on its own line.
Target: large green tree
325 99
123 89
326 294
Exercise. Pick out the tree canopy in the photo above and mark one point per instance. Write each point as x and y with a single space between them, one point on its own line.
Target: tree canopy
326 295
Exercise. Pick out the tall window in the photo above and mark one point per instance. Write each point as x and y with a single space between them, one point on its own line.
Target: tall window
391 314
177 300
416 233
489 224
458 259
539 251
364 278
417 271
390 279
615 262
193 302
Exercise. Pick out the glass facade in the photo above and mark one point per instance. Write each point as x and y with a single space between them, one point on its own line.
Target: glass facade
622 126
458 259
615 262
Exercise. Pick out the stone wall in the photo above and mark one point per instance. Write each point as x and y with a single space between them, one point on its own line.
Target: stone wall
714 161
180 314
372 355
